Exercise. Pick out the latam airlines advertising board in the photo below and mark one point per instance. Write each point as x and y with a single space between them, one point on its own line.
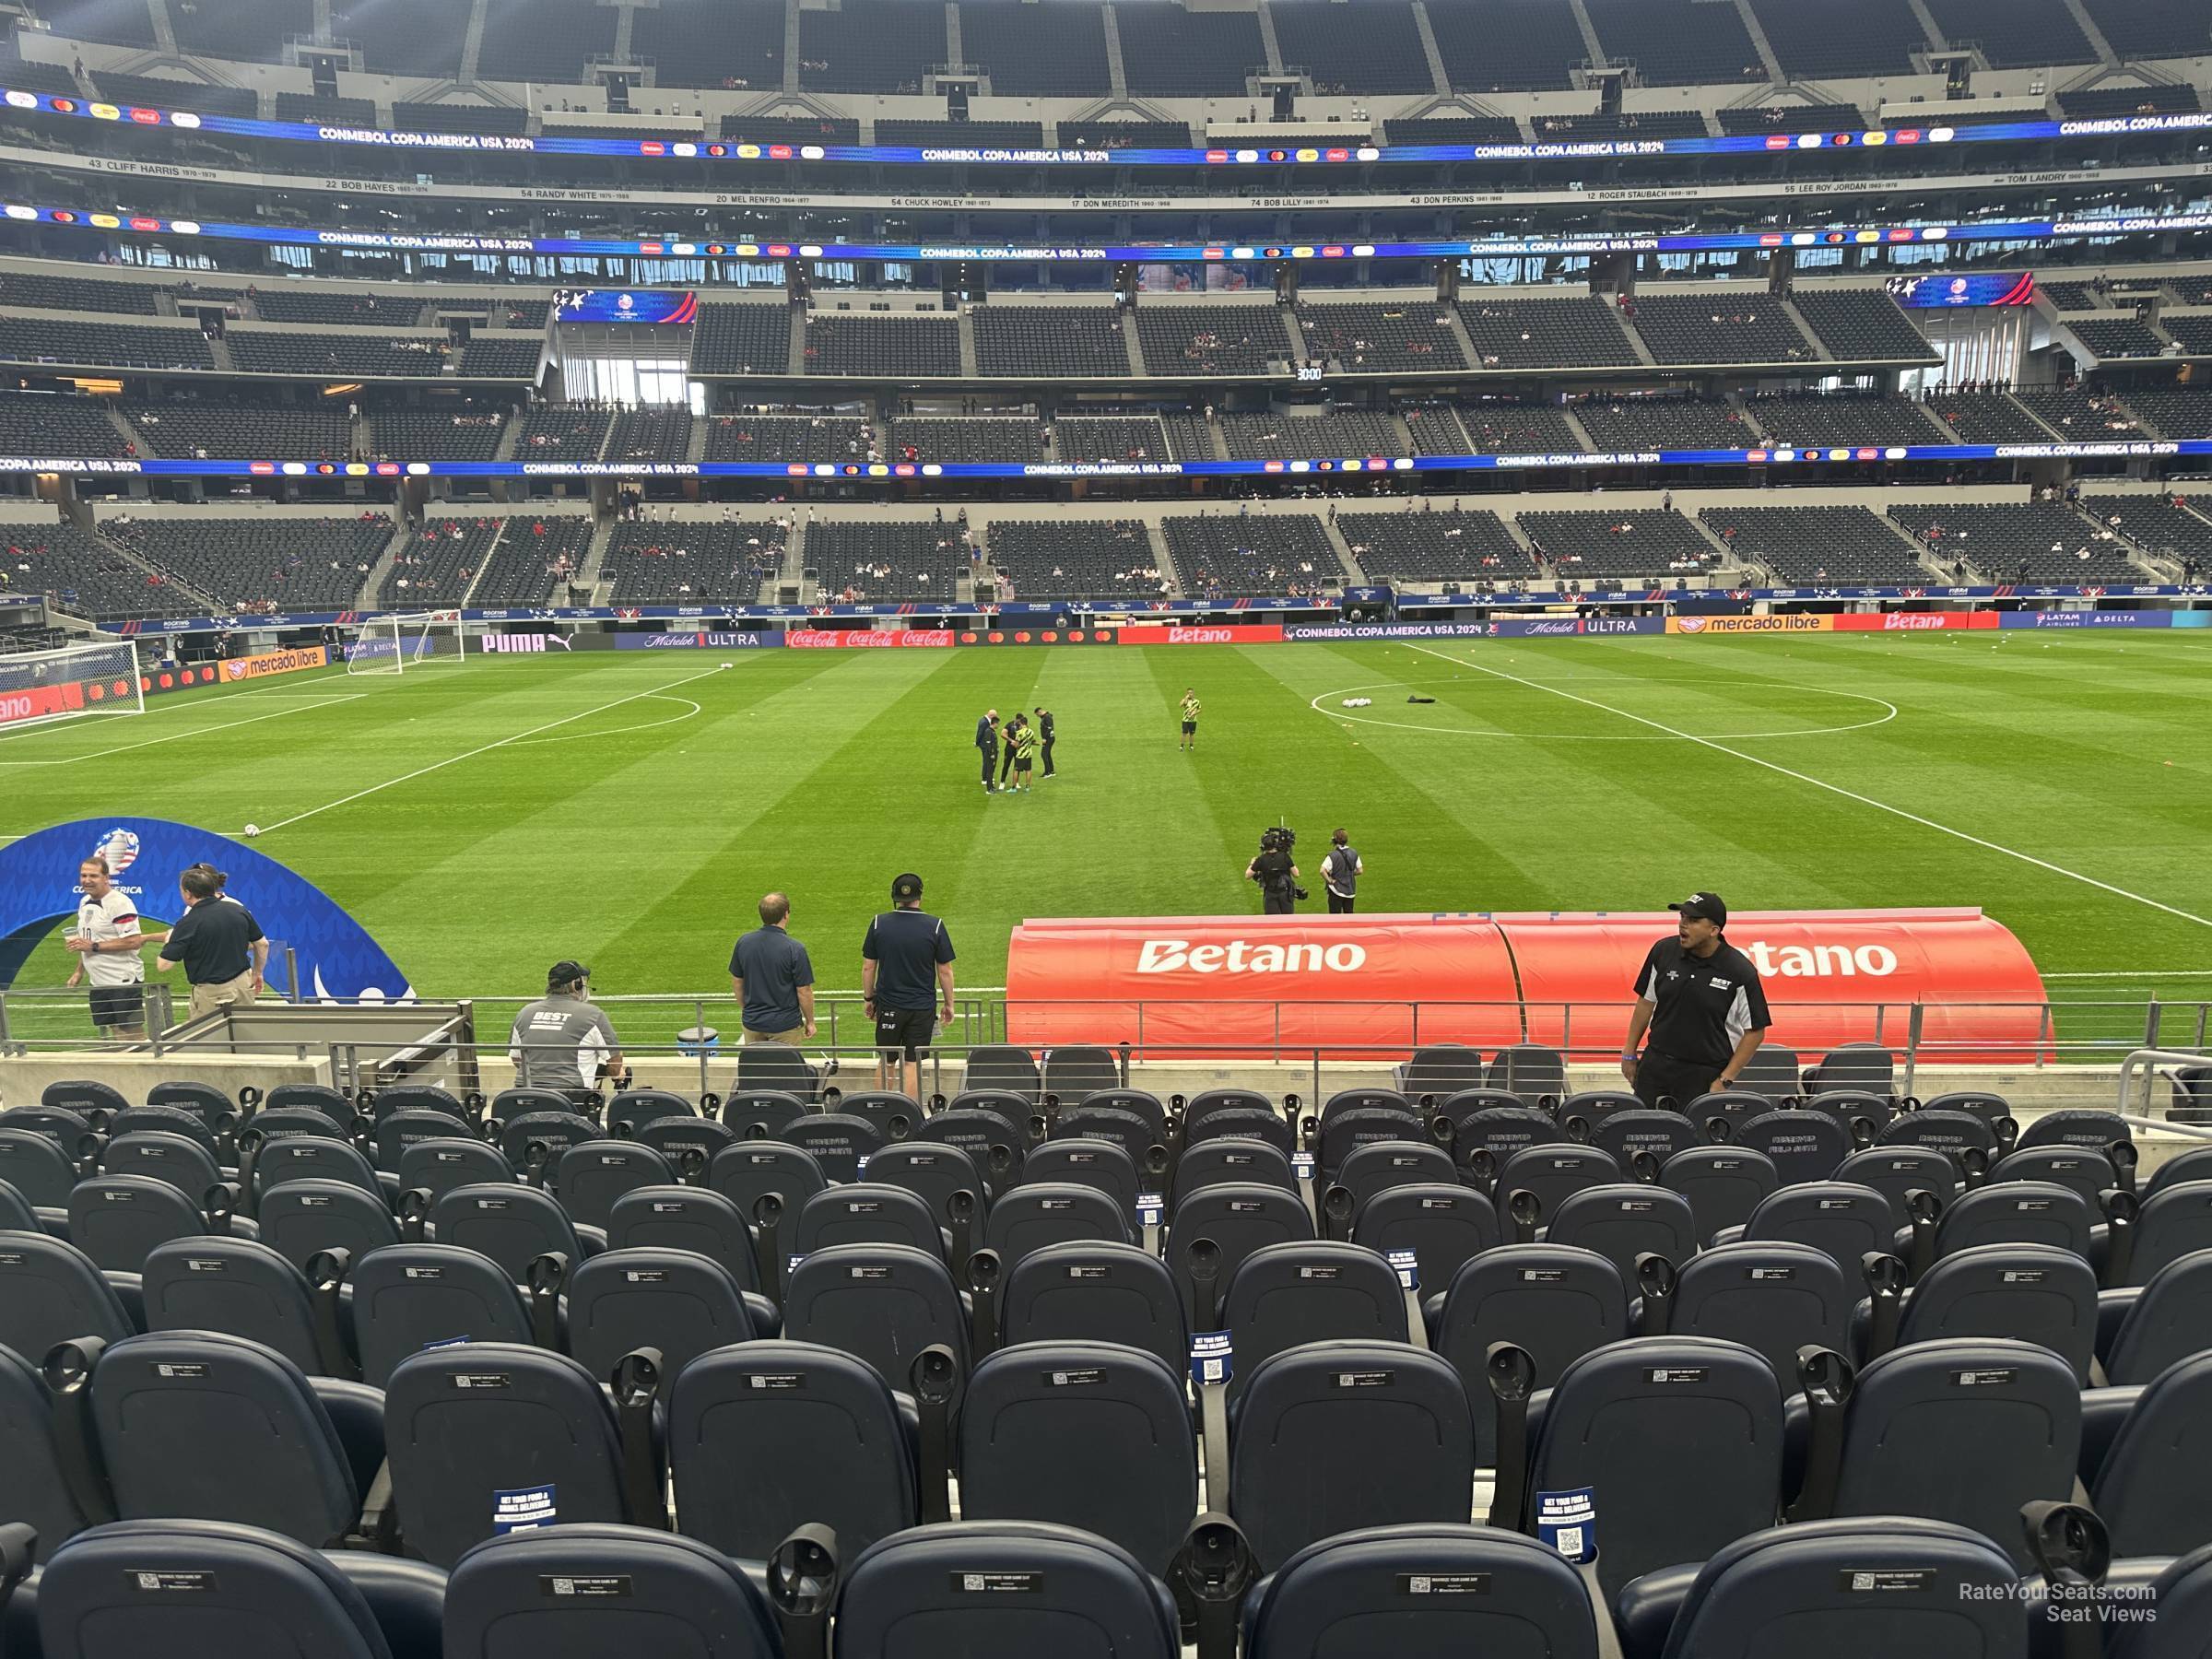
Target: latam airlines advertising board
1373 987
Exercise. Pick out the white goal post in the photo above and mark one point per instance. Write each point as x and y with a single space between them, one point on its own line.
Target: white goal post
39 687
410 639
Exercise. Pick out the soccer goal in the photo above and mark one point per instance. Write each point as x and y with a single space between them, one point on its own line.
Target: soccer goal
37 687
416 640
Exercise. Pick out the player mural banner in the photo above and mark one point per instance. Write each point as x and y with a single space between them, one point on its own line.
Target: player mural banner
37 885
1373 987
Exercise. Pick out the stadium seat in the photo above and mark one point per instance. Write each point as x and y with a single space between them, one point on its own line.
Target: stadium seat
1848 1222
635 1109
1592 1105
438 1165
1863 1115
307 1158
204 1100
1037 1215
51 1292
1445 1226
1536 1074
838 1143
1956 1133
169 1120
240 1288
1429 1590
883 1304
2075 1127
1240 1124
534 1142
1086 1434
681 1217
1897 1171
573 1591
678 1302
287 1122
1146 1106
1772 1072
513 1225
1555 1303
1626 1133
1497 1133
1775 1298
33 1489
1803 1146
37 1169
1238 1217
2088 1172
1229 1158
81 1097
409 1298
942 1589
1207 1102
2175 1221
1286 1296
765 1437
2192 1165
1337 1436
1858 1067
751 1171
1439 1070
588 1177
334 1104
1099 1165
2019 1212
1132 1132
392 1135
157 1155
419 1097
1624 1221
1552 1173
891 1114
1380 1165
177 1415
687 1140
512 1103
2182 1594
1909 1589
2149 1489
1116 1293
301 1218
933 1171
17 1215
2039 1293
1723 1184
213 1589
866 1213
489 1434
116 1219
1076 1072
1966 1432
1677 1439
2166 1319
1002 1066
761 1113
1975 1103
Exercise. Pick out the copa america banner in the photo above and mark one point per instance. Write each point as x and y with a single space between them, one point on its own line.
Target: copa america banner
37 885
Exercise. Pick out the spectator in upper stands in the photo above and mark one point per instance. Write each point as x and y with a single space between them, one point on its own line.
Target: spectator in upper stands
772 978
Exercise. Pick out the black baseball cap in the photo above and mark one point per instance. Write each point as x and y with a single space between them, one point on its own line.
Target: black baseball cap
1703 907
566 974
904 888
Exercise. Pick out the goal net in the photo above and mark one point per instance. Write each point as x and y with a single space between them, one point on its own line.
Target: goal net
40 685
416 640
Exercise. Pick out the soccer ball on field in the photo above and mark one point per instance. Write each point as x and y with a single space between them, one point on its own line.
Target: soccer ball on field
253 830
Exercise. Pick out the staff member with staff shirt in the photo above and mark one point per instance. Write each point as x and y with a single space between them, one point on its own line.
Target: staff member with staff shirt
107 941
218 942
1701 1000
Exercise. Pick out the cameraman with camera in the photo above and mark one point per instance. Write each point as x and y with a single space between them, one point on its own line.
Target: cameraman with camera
1275 874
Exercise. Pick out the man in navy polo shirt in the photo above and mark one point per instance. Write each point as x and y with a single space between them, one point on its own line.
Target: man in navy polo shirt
905 973
772 978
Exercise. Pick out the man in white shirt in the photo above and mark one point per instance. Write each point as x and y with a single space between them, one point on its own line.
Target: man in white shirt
107 942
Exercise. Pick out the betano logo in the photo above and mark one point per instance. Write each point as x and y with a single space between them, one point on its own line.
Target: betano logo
1821 962
1242 956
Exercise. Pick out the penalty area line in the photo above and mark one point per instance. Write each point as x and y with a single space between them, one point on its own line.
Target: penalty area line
1834 789
424 771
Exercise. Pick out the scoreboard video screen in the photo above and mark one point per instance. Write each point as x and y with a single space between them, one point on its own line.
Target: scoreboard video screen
1942 291
626 305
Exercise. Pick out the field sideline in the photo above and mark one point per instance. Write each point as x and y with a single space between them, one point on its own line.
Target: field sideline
485 820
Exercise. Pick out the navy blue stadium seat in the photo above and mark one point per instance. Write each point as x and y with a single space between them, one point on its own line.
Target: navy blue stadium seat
215 1590
1500 1130
866 1213
1625 1220
1974 1102
464 1425
1863 1115
932 1172
1539 1074
301 1218
839 1142
1551 1173
1087 1434
1723 1184
1847 1222
686 1140
513 1225
1967 1431
438 1165
892 1115
1002 1066
1097 1164
18 1213
883 1304
1232 1157
1340 1435
2192 1165
943 1590
235 1286
204 1100
634 1109
332 1103
312 1158
1445 1226
1381 1165
1661 1134
1094 1292
82 1096
1429 1591
1241 1123
116 1219
161 1156
1142 1103
390 1139
2075 1127
2166 1319
765 1437
33 1489
1135 1135
1080 1069
761 1113
1239 1218
411 1298
1554 1302
420 1097
682 1218
1037 1215
165 1120
2151 1490
1207 1102
1907 1589
2086 1170
181 1418
2039 1293
1897 1171
1680 1440
1852 1065
1286 1296
1439 1070
51 1292
2018 1212
2175 1221
584 1591
1805 1145
2181 1595
677 1301
36 1167
1946 1131
1773 1297
535 1141
590 1176
1351 1127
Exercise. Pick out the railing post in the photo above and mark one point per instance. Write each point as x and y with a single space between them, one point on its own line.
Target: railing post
1913 1024
2202 1010
2151 1012
2043 1033
1566 1033
291 975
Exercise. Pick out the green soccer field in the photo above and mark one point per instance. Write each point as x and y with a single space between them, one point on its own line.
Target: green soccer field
485 820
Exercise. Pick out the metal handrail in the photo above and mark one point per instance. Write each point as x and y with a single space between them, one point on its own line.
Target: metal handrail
2144 1060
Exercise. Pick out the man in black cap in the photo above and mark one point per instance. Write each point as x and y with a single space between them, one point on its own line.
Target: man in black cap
560 1040
1045 732
1701 999
905 973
